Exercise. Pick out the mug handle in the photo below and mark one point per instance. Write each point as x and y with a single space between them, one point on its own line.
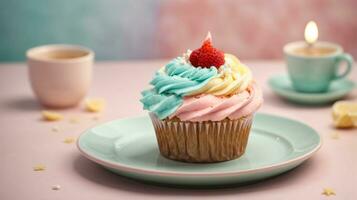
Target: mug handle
349 61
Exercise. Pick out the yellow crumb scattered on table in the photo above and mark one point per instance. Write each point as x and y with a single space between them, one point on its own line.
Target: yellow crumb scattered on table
69 140
335 135
94 105
39 167
344 114
51 116
55 129
328 192
74 120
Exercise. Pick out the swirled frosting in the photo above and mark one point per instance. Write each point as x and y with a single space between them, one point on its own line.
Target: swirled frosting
170 83
202 94
180 78
214 108
233 77
162 105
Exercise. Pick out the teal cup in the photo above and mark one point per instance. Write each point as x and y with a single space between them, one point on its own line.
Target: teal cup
314 73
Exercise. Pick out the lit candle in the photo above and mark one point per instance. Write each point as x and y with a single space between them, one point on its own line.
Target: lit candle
311 33
312 47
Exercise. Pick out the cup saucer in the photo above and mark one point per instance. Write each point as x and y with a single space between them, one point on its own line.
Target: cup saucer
282 86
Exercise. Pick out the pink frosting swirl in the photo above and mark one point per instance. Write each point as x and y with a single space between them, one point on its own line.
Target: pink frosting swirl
215 108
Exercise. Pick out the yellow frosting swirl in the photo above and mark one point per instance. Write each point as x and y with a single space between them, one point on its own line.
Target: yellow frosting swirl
234 77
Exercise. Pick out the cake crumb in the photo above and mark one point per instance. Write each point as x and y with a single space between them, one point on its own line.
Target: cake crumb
51 116
335 135
55 129
56 187
74 120
328 192
69 140
94 105
39 167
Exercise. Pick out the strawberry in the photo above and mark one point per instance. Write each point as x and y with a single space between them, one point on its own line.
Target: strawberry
207 56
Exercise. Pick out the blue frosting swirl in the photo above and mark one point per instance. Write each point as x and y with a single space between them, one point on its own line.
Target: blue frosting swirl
178 79
181 78
160 104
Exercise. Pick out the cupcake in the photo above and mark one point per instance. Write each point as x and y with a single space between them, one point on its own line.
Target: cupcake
202 105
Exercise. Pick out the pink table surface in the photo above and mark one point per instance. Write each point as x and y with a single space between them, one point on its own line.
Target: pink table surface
25 141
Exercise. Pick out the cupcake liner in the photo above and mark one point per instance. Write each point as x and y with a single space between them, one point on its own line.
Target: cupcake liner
202 142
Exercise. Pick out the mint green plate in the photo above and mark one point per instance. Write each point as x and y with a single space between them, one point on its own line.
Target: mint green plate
128 147
282 86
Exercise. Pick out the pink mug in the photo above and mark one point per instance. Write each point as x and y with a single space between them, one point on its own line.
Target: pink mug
60 75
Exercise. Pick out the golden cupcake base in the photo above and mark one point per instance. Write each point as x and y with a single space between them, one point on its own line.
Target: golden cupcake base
202 142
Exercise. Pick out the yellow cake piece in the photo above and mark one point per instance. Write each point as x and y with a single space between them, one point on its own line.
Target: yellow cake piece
39 167
328 192
344 114
51 116
94 105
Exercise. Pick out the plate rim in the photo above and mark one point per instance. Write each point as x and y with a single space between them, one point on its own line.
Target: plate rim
139 170
317 96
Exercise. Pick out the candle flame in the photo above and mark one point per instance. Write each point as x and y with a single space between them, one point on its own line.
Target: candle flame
311 32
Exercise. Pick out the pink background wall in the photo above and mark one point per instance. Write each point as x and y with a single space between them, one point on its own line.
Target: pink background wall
253 29
150 29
